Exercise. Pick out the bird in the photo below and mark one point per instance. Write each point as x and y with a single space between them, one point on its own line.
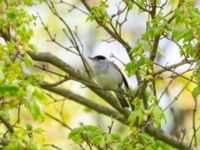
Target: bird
109 76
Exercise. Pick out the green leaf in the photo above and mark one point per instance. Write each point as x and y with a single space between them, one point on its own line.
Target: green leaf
139 59
91 133
11 47
195 92
138 50
2 75
38 130
130 4
152 32
28 60
21 142
125 144
157 114
32 47
99 13
40 95
25 32
131 68
94 134
185 34
1 1
36 109
145 47
158 145
40 1
194 12
33 145
4 114
8 90
16 144
113 137
75 135
28 2
137 116
144 138
29 127
12 15
2 22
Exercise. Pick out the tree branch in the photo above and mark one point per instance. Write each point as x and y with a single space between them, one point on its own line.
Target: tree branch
7 124
86 102
158 134
140 7
115 35
81 77
168 68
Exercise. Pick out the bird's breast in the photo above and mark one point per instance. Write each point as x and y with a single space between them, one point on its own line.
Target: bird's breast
109 79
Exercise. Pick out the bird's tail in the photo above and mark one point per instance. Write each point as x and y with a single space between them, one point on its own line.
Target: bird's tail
122 98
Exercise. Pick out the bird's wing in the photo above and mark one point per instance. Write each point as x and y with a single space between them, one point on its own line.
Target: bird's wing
124 79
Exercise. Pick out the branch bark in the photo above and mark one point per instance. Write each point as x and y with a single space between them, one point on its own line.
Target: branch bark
158 134
114 35
86 102
168 68
79 76
7 124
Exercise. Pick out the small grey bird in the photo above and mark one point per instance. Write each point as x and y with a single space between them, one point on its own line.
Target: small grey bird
109 76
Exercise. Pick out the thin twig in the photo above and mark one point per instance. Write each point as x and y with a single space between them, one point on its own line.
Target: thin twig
53 39
166 89
53 146
178 74
58 82
7 124
59 121
50 71
194 122
74 42
73 6
139 6
179 94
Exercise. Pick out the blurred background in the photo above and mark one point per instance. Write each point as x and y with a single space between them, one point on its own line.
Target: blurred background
97 42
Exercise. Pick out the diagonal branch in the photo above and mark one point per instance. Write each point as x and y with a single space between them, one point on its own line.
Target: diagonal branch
140 7
158 134
113 34
80 76
168 68
86 102
74 41
7 124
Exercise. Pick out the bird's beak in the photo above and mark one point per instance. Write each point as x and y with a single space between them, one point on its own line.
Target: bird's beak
91 58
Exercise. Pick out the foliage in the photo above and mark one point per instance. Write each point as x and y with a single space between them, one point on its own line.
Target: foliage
99 12
17 86
21 86
22 138
103 140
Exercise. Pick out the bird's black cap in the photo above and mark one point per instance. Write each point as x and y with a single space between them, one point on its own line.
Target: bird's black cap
98 57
